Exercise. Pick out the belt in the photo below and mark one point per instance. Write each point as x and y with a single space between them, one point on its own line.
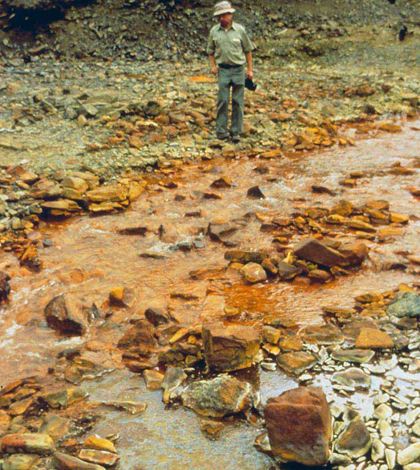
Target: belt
227 66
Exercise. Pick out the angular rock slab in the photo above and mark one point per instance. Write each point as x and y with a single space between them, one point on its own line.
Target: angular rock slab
314 251
299 426
218 397
373 338
355 440
405 304
360 356
296 362
27 443
67 462
230 348
352 377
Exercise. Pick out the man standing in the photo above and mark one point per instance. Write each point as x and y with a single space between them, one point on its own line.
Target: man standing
229 49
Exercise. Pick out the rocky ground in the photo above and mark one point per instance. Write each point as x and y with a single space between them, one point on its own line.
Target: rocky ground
97 112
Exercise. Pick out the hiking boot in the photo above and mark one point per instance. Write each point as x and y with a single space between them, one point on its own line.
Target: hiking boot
236 138
222 136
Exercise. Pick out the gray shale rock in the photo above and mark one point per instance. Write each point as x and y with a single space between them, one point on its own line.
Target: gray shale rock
218 397
405 304
355 441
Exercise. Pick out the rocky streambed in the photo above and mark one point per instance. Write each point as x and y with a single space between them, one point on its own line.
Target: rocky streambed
156 337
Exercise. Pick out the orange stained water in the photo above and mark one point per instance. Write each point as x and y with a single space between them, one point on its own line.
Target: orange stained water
89 257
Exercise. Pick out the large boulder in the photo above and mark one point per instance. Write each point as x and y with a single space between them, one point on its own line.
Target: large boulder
314 251
218 397
228 348
65 315
299 426
405 304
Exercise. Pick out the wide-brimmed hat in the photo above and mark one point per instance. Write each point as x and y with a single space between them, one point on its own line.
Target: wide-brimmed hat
223 7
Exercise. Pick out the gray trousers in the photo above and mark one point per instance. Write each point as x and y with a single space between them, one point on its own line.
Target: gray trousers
228 78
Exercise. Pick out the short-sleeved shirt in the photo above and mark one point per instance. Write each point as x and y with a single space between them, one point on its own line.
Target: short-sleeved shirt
229 46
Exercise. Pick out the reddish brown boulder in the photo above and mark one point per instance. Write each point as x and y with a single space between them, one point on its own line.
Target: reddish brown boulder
228 348
299 426
65 315
316 252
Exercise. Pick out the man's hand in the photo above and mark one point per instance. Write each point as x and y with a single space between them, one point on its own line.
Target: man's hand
249 74
214 70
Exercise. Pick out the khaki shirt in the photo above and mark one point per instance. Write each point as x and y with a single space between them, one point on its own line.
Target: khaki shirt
229 46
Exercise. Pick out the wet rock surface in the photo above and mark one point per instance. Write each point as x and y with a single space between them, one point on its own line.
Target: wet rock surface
299 426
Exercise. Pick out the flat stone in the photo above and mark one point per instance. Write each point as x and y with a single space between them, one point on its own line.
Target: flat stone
355 440
409 455
218 397
228 348
323 335
67 462
27 443
20 461
383 411
405 304
292 438
359 356
352 377
55 426
370 338
245 257
101 457
63 397
314 251
296 362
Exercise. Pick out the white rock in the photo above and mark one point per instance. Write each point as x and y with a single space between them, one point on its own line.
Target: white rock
409 455
381 398
416 428
384 428
339 459
378 450
411 416
384 466
268 366
390 457
383 412
388 441
412 466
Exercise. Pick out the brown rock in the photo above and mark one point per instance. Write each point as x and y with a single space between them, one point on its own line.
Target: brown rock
370 338
65 315
316 252
296 362
245 257
140 335
67 462
255 193
153 379
221 183
101 457
156 316
253 273
230 348
299 426
27 443
354 252
287 271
